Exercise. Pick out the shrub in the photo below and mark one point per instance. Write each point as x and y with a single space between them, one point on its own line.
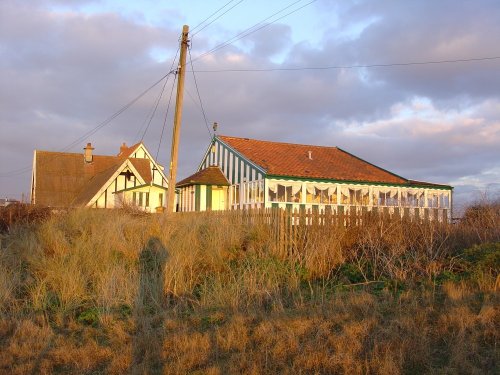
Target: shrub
482 262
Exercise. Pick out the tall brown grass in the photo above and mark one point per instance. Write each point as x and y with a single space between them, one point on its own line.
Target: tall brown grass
92 291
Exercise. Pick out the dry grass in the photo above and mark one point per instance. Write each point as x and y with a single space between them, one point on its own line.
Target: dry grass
119 292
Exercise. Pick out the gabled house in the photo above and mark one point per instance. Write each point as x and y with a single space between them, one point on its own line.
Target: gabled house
294 176
131 178
206 190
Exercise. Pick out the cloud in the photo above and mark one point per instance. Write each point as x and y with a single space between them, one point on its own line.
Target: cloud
65 71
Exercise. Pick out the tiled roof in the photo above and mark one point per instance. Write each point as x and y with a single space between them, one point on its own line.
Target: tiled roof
125 151
97 181
307 161
208 176
64 179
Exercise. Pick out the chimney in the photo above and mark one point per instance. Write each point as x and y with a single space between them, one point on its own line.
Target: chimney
88 153
310 156
123 148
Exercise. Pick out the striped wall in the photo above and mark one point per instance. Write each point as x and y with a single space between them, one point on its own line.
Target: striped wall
236 168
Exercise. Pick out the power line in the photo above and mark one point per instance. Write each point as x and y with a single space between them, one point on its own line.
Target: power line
214 13
434 62
154 110
255 27
155 105
152 113
93 130
116 114
165 118
199 96
219 16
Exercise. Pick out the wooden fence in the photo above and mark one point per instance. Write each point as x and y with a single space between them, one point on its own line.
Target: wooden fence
292 229
355 216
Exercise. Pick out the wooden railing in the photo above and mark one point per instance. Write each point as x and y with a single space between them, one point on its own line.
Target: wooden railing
291 229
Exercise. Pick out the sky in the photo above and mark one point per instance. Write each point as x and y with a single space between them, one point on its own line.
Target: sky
66 66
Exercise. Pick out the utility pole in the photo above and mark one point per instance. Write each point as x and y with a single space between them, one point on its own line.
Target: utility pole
181 73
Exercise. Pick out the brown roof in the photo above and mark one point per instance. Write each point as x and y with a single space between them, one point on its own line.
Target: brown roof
64 179
292 160
126 151
208 176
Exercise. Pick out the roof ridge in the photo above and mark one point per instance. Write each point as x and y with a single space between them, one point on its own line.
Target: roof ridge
58 152
281 143
129 149
75 153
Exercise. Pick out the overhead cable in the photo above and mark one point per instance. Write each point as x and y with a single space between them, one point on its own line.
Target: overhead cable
198 92
215 19
93 130
155 107
258 26
350 66
210 16
165 118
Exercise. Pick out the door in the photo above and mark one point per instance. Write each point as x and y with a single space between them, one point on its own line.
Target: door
218 199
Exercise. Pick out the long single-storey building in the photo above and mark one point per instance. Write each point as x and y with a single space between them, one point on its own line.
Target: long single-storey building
241 173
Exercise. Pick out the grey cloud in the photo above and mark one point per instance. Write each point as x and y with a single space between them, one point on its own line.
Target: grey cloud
66 73
277 40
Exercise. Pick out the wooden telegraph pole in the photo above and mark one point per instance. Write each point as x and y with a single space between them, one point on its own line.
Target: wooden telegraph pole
181 73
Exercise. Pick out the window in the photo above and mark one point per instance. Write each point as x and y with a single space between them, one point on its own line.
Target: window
412 198
254 193
359 196
147 199
261 192
321 194
386 197
160 199
237 193
285 192
251 192
444 200
432 199
140 200
273 195
134 197
344 196
281 193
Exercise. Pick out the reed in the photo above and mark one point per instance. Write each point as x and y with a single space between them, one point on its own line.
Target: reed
95 291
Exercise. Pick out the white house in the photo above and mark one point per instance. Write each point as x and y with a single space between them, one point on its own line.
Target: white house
132 177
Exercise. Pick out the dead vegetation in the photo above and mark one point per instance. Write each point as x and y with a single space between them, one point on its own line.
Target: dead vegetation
91 291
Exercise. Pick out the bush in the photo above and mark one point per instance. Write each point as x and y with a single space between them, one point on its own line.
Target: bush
482 262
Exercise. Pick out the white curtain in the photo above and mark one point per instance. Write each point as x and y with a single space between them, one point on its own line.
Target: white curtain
344 190
383 191
321 187
296 188
287 184
273 186
311 189
332 190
